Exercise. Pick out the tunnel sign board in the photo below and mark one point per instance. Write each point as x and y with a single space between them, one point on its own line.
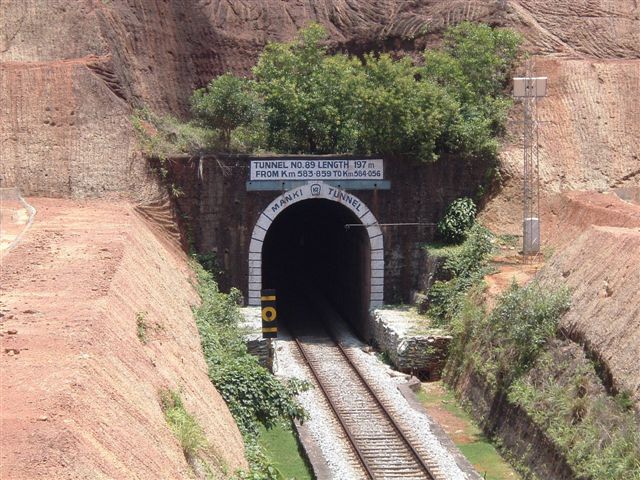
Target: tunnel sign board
317 169
269 314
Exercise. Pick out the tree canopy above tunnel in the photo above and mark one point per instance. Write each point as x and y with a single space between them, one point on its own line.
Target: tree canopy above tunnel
303 99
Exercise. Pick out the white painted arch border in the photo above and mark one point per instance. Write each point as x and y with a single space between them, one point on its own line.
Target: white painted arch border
317 190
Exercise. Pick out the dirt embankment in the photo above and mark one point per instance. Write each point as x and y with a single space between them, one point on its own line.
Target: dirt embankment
80 389
593 240
601 269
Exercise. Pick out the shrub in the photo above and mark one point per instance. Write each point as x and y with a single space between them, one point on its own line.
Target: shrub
226 103
597 435
504 344
141 326
467 266
304 100
457 220
164 136
184 426
521 324
253 395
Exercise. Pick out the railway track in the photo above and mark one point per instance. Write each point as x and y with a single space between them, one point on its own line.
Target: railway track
380 443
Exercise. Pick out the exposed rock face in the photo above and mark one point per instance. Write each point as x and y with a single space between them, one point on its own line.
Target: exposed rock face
64 132
70 73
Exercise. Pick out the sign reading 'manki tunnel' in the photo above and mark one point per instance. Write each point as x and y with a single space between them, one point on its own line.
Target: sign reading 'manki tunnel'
269 314
316 169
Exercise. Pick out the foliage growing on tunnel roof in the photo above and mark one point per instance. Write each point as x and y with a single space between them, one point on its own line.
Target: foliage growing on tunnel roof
310 101
226 103
164 136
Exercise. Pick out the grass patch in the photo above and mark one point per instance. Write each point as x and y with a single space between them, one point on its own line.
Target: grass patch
507 240
384 357
141 327
486 459
184 426
441 249
165 136
281 444
442 405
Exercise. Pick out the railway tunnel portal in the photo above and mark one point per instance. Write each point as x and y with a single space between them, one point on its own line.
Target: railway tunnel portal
255 226
319 238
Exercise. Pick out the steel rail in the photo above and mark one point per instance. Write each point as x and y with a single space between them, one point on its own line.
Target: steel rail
399 433
397 427
335 411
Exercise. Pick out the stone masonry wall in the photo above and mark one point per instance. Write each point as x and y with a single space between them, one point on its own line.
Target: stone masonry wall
411 348
221 213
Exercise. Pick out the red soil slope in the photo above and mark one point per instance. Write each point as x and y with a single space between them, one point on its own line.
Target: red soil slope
601 268
595 240
70 75
80 392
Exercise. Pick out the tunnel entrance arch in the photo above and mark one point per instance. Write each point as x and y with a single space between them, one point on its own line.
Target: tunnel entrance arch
319 204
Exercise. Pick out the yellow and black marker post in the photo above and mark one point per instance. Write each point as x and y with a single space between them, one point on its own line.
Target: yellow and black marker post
269 314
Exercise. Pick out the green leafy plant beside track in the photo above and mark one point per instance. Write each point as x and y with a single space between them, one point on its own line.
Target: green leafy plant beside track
517 351
520 354
465 266
254 396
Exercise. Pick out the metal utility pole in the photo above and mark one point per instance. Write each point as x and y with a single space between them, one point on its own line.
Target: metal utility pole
529 89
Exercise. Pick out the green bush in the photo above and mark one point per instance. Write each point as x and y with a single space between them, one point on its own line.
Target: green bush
467 266
598 435
304 100
457 220
184 426
521 324
141 327
253 395
504 344
164 136
226 103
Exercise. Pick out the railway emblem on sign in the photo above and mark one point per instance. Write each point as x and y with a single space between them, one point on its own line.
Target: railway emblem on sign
316 188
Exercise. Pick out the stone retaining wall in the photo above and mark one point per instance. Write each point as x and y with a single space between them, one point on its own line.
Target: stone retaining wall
411 346
256 345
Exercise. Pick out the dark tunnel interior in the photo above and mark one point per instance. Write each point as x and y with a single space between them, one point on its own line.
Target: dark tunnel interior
308 251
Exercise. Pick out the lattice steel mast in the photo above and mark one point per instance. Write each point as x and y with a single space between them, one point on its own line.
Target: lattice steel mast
530 88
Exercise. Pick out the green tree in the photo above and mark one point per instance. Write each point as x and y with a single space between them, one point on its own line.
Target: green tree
399 114
474 66
313 102
226 103
486 55
307 95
